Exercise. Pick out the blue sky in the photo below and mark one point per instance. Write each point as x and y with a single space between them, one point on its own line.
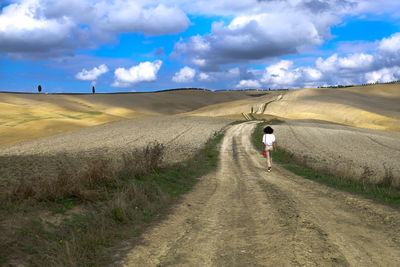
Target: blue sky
124 46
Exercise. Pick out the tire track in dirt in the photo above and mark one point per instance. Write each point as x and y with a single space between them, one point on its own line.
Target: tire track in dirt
296 136
243 216
179 135
381 144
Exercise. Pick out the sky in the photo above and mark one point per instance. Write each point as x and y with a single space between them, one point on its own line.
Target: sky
68 46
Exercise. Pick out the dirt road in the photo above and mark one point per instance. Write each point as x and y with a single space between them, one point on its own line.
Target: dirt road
241 215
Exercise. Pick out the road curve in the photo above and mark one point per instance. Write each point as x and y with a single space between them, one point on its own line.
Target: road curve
241 215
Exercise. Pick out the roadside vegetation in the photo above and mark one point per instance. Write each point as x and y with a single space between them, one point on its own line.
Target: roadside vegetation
383 192
74 218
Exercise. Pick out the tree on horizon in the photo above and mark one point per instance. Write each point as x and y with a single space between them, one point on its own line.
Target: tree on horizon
39 88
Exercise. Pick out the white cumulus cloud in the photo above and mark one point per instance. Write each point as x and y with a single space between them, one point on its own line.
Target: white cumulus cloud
391 44
334 63
383 75
281 74
144 72
184 75
204 77
381 65
93 74
249 84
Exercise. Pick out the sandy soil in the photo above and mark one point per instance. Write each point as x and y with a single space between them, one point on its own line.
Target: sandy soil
242 215
182 136
347 151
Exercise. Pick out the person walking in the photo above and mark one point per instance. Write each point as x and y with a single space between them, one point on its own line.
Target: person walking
269 143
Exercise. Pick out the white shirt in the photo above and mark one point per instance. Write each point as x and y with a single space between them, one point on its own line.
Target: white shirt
268 139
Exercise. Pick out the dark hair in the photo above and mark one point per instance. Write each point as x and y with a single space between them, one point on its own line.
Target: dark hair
268 130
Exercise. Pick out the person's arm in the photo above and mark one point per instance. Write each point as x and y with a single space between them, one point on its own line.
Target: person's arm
263 147
274 145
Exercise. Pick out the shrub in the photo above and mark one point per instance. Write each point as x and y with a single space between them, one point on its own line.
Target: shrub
139 162
88 185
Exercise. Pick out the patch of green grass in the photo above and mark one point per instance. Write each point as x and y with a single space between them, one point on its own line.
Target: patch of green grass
3 258
181 177
94 112
237 122
65 204
69 116
381 192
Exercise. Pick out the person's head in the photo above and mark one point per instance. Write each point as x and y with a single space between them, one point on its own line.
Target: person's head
268 130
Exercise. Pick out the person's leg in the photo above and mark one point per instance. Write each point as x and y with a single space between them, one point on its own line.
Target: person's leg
268 157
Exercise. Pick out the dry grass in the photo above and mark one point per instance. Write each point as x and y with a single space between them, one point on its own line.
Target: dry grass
112 200
109 194
88 185
142 161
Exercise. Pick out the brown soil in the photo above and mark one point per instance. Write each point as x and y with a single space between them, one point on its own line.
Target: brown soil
363 154
241 215
182 137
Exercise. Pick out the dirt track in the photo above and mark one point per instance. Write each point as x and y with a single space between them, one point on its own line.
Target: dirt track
243 216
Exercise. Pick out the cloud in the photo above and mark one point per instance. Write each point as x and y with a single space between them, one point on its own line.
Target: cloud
281 74
233 8
234 72
93 74
199 62
359 61
382 65
130 16
144 72
383 75
390 45
284 28
249 84
46 28
387 8
388 51
204 77
253 38
184 75
23 29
